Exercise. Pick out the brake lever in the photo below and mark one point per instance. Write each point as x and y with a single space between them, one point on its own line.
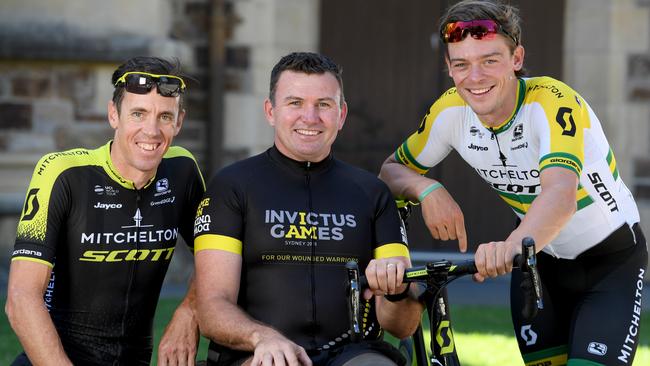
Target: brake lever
529 269
354 297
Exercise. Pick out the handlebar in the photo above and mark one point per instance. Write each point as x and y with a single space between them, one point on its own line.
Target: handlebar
438 274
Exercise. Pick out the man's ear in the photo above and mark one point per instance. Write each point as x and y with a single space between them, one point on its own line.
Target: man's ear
344 113
518 57
268 111
113 114
179 121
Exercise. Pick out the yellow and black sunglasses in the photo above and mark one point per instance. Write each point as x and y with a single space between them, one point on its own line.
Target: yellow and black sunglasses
139 82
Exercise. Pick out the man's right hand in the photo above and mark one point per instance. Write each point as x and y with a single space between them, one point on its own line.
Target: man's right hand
443 217
273 349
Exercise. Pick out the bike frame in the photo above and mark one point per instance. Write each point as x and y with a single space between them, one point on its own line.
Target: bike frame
432 280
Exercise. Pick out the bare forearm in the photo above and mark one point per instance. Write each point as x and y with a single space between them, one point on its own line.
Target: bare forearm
188 305
32 324
402 181
227 324
546 217
400 318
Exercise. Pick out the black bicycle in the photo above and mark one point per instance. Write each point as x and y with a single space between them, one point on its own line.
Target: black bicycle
432 280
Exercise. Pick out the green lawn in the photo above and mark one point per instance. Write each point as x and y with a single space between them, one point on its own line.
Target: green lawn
483 336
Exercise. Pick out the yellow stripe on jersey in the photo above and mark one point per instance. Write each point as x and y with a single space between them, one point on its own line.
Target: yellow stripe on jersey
35 260
515 204
563 160
221 242
611 160
555 356
559 360
404 156
520 203
409 151
177 151
391 250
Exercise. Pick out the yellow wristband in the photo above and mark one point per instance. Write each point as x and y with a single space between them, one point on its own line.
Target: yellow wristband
428 190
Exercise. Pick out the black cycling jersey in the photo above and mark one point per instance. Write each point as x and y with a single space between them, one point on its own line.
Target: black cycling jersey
296 224
109 245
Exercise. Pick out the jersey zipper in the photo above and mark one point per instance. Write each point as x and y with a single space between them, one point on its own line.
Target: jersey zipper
312 268
502 156
132 269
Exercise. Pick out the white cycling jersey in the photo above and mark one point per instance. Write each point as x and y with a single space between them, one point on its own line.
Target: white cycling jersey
551 126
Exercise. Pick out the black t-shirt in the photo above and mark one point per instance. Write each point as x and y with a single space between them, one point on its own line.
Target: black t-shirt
109 245
296 224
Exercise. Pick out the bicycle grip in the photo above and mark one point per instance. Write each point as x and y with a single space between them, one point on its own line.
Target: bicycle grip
531 285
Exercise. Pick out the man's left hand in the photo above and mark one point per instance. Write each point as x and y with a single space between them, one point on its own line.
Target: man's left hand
179 341
385 277
495 258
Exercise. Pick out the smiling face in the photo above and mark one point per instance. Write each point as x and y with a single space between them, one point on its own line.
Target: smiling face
307 114
483 71
144 129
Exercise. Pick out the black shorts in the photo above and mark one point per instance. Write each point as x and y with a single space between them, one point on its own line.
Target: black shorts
592 304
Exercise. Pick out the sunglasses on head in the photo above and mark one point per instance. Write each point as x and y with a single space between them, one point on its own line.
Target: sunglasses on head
141 83
478 29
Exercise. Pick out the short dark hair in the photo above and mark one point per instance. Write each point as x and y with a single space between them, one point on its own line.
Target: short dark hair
308 63
506 15
153 65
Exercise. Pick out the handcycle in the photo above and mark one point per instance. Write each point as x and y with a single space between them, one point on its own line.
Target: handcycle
432 279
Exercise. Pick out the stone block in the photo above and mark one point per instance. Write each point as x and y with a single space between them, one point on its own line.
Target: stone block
257 24
196 105
638 78
238 57
4 87
51 114
245 126
31 86
88 135
15 116
75 84
30 142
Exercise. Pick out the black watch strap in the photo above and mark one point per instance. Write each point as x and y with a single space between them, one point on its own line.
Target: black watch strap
401 296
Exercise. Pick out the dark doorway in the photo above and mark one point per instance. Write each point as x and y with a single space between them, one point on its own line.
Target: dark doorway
393 72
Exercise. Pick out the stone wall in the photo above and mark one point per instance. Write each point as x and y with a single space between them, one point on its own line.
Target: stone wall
607 60
56 61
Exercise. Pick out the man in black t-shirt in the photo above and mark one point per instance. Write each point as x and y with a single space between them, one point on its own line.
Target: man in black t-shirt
273 234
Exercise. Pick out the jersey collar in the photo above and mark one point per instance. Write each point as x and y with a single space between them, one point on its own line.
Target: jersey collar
521 93
300 166
107 164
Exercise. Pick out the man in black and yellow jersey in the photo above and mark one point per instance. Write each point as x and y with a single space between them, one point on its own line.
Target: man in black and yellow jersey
98 231
541 147
274 232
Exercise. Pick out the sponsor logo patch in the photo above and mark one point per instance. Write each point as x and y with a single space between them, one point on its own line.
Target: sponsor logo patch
597 349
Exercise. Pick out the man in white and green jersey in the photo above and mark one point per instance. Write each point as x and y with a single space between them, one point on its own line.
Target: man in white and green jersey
540 146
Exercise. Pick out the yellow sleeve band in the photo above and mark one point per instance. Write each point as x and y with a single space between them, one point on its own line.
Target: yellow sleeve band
391 250
35 260
221 242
